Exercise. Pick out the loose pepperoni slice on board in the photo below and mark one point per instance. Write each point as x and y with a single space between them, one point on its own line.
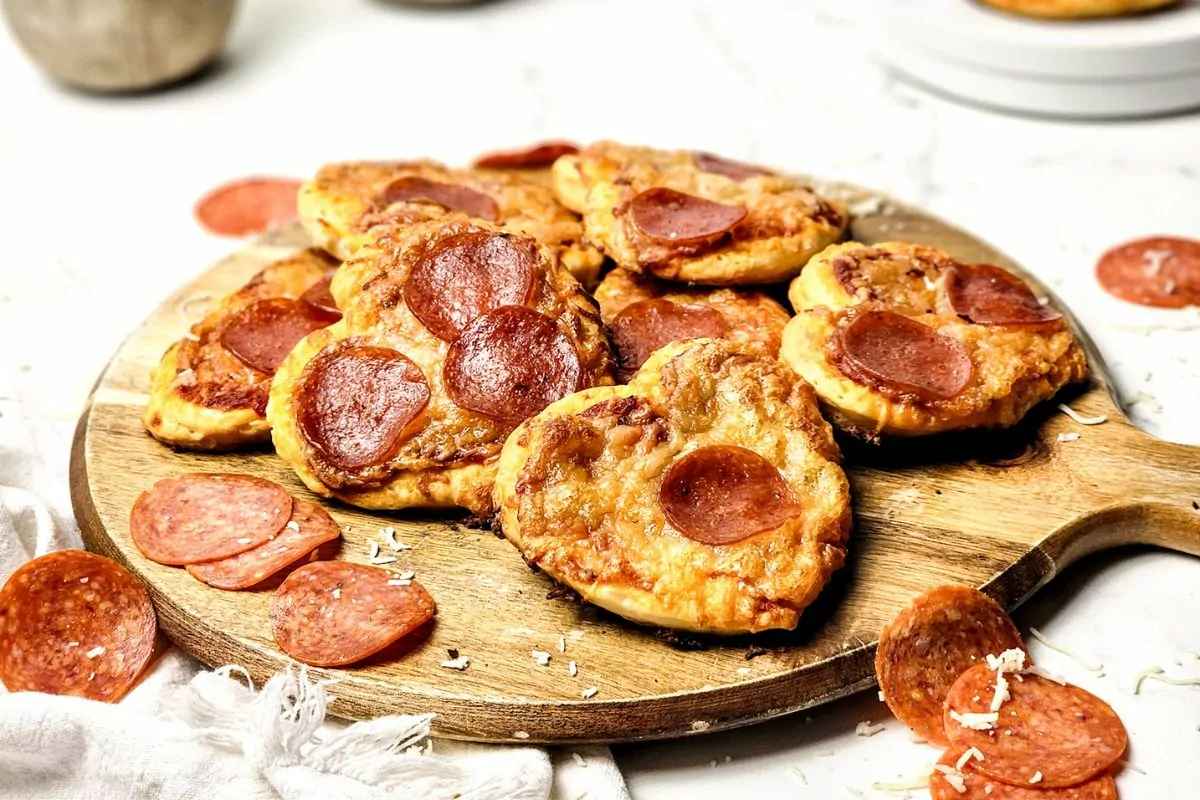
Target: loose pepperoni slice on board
204 517
539 156
1162 271
884 348
645 326
977 786
1067 734
511 363
333 613
319 297
253 205
448 195
468 274
302 536
673 217
263 333
986 295
937 637
723 494
75 623
357 404
736 170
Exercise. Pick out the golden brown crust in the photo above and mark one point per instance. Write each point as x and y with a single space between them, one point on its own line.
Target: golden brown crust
752 317
1078 9
340 205
202 397
1015 367
578 491
450 459
786 221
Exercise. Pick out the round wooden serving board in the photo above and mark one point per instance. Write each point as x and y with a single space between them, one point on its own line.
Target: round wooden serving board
1004 511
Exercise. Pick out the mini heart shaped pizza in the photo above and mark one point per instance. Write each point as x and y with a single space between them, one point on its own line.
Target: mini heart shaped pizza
684 215
902 340
343 201
454 331
706 494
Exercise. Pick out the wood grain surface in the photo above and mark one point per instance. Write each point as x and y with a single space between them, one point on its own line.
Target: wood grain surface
1005 511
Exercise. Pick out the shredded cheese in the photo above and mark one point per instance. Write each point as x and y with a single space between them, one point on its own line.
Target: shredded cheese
573 669
292 525
865 728
389 536
1068 437
1156 674
95 652
407 576
541 657
1154 260
578 759
185 377
520 735
1082 420
562 644
701 724
971 752
1012 660
336 592
976 721
882 699
904 784
460 663
589 693
953 777
1037 777
1066 651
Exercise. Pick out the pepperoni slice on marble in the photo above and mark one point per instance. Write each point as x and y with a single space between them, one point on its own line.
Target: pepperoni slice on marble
735 170
357 404
301 538
469 274
263 333
319 297
333 613
510 363
986 295
205 517
249 206
723 494
448 195
1063 732
74 623
1162 271
977 786
645 326
937 637
882 348
539 156
669 216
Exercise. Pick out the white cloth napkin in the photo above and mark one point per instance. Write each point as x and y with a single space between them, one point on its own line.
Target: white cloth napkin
191 734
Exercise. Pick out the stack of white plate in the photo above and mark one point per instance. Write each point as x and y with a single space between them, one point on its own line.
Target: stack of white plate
1122 67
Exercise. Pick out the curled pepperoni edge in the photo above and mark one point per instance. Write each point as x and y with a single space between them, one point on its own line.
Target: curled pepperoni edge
647 207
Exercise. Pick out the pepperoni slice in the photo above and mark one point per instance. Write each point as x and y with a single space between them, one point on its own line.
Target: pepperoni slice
510 363
644 326
263 333
74 623
723 494
986 295
666 215
977 786
333 613
205 517
448 195
937 637
308 529
886 349
1161 271
357 404
468 274
736 170
539 156
253 205
1067 734
319 297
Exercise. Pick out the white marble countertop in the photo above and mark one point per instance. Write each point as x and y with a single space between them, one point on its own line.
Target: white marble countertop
96 200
